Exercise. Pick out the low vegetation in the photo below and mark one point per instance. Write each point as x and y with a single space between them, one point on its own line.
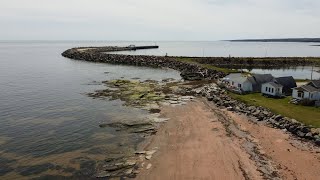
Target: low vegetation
135 93
305 114
302 80
208 66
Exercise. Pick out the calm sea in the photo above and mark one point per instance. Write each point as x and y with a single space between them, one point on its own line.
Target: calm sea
46 118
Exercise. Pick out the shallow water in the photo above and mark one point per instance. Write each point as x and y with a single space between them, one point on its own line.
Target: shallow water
300 72
46 116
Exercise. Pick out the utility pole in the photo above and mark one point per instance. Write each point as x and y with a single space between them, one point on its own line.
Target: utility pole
311 72
266 53
202 52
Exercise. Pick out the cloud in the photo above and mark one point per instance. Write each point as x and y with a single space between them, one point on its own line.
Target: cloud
158 20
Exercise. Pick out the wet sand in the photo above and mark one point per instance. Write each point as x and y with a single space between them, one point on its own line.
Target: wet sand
201 141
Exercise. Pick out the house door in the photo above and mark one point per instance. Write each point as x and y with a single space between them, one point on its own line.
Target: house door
300 94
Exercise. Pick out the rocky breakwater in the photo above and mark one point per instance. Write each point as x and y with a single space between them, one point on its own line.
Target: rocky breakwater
188 71
268 62
220 97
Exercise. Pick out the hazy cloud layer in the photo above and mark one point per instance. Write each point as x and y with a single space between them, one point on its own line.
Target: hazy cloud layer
158 19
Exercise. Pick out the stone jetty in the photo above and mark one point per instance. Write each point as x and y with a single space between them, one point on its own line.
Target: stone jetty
103 54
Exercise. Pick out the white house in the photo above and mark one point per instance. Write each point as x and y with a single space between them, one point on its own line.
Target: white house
242 83
272 89
238 82
247 83
309 91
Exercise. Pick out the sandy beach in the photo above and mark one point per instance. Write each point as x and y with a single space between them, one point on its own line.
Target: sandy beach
201 141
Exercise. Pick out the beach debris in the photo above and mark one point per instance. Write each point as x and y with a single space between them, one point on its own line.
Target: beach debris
149 166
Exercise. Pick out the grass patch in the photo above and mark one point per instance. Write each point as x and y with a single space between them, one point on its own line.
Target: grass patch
302 80
305 114
225 70
207 66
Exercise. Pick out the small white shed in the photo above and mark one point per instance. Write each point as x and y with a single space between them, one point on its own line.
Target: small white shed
241 83
272 89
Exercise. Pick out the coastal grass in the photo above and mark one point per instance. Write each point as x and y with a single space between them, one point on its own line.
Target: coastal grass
310 60
302 80
207 66
305 114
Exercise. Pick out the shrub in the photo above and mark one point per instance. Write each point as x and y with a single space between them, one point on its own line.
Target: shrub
307 102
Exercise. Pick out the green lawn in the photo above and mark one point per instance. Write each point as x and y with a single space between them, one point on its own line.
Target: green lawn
208 66
302 80
304 114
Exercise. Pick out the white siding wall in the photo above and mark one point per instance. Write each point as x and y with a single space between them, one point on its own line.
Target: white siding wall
316 95
246 86
295 94
233 84
306 95
266 91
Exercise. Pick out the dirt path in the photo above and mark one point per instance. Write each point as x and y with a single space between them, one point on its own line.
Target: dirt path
201 141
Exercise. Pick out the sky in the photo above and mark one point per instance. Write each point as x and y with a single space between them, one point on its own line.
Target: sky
162 20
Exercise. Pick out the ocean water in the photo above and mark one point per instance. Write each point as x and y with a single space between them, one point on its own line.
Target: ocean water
46 117
299 72
226 49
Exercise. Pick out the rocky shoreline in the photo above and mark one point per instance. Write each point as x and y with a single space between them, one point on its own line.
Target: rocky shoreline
191 71
148 95
220 98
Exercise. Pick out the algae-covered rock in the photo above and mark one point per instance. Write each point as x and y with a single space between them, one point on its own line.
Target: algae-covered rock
132 127
134 93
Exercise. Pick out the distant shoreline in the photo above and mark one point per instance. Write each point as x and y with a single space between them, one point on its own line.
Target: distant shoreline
311 40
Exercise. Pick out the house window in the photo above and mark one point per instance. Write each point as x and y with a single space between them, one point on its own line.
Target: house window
272 90
266 89
239 85
300 94
232 83
269 89
311 96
